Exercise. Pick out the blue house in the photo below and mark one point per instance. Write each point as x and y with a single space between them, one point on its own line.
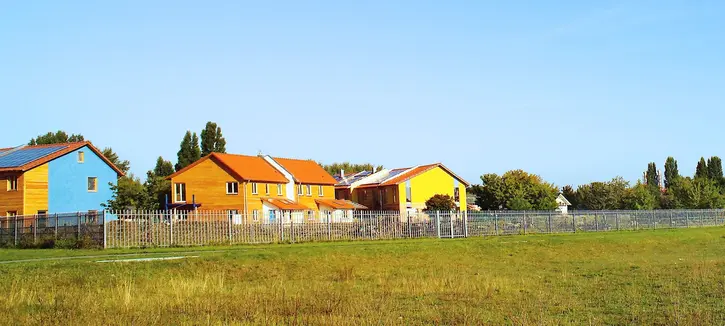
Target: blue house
56 178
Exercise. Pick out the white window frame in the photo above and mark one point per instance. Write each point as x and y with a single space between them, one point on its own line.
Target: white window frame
321 190
179 196
95 184
255 215
235 188
309 190
266 189
254 188
13 183
300 191
279 189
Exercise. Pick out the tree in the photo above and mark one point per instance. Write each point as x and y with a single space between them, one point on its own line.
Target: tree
603 195
440 203
714 169
652 178
515 190
702 171
58 137
671 171
212 139
189 151
348 167
128 193
163 168
124 165
639 197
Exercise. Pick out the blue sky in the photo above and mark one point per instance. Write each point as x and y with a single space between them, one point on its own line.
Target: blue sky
575 91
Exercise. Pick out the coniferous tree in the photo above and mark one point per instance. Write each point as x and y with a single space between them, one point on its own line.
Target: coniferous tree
652 178
58 137
189 151
212 139
714 168
671 171
123 165
701 171
163 168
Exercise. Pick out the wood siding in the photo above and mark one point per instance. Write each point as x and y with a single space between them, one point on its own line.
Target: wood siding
36 190
11 201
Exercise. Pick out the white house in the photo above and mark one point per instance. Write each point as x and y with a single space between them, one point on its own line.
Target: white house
563 204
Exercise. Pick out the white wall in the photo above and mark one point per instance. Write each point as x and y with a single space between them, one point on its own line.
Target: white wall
291 192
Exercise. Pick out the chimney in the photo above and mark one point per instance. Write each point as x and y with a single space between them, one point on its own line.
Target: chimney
342 175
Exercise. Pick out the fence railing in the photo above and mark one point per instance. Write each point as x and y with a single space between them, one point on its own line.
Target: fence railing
123 229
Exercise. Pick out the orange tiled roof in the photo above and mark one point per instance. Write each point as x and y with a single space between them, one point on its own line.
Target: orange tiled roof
69 147
339 204
243 167
285 204
306 171
405 176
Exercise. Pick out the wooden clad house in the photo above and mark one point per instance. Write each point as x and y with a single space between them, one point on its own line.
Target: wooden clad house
56 178
259 188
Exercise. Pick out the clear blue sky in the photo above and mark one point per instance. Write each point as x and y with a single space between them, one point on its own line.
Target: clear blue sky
575 91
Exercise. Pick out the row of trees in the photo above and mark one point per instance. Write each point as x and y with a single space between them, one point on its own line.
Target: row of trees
348 167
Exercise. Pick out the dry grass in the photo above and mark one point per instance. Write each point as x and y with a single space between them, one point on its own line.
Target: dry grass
646 278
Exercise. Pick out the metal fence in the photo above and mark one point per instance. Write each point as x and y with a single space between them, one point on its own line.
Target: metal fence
34 229
124 229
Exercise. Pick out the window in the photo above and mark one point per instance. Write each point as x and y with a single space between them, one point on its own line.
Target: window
179 192
255 215
395 195
254 188
321 191
279 190
311 215
266 188
309 190
232 188
299 190
408 192
456 193
363 195
92 184
12 213
81 157
12 183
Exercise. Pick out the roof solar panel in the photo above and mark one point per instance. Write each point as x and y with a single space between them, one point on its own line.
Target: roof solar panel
27 155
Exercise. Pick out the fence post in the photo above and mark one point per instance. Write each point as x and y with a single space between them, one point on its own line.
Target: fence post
573 222
653 220
636 223
438 224
35 229
78 227
407 213
450 218
230 221
495 222
596 222
15 226
465 223
171 228
56 226
548 223
671 219
329 228
523 225
103 221
616 220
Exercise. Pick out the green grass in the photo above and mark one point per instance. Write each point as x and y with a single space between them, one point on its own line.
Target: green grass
664 277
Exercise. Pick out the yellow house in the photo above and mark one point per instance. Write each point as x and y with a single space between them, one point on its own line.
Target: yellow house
405 189
254 188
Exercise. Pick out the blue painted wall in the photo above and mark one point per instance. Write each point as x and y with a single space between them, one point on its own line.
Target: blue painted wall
68 182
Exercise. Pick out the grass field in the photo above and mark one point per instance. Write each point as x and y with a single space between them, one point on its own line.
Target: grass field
662 277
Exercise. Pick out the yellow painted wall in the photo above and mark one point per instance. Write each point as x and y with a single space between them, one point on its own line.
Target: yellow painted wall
328 192
433 182
36 190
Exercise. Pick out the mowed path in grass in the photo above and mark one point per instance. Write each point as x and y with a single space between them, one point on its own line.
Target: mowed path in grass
647 277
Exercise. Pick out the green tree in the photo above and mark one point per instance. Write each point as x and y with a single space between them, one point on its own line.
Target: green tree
440 203
702 171
128 193
714 169
671 171
639 197
603 195
58 137
163 168
515 190
212 139
189 151
123 165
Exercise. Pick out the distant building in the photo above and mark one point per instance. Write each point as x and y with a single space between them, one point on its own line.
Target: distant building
56 178
563 204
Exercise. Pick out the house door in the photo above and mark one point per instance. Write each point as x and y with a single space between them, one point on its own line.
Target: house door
272 216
